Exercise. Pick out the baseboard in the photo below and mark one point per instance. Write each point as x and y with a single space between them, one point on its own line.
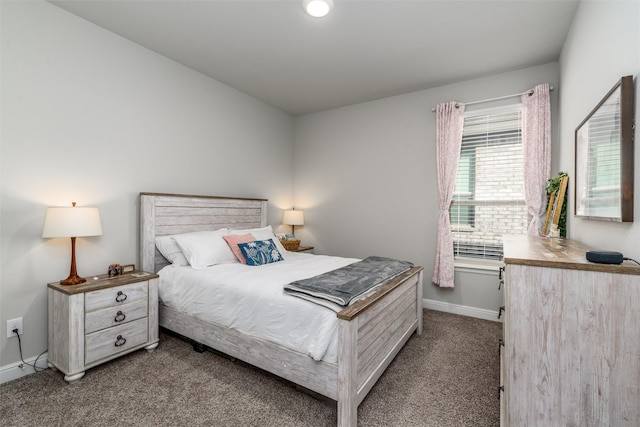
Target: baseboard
464 310
18 369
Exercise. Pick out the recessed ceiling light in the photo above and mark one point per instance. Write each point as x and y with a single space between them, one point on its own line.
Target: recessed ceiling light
318 8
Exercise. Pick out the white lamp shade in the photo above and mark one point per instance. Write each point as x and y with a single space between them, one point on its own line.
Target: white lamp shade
293 217
317 8
72 222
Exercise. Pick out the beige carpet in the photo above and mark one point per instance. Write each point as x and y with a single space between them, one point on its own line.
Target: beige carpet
446 377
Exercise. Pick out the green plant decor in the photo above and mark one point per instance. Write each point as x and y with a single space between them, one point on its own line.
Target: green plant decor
553 186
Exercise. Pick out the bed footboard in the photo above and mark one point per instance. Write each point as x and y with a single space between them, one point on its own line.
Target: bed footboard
371 333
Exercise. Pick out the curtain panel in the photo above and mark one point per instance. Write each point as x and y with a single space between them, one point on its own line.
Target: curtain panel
449 127
536 150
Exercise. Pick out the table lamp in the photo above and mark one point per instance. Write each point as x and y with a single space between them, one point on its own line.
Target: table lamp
72 222
293 217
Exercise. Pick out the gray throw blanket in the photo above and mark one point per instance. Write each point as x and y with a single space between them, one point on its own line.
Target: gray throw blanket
346 284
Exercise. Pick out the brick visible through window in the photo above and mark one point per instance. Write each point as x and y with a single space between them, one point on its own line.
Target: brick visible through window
488 199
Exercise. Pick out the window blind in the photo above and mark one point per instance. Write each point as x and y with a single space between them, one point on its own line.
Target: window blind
603 170
488 199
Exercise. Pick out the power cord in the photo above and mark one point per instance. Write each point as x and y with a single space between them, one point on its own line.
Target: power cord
629 259
35 362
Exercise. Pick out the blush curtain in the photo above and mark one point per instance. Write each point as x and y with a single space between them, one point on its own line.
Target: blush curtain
449 126
536 150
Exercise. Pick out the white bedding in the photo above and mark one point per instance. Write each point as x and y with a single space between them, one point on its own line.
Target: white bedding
251 300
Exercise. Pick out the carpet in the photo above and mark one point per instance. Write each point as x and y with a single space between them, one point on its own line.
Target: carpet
448 376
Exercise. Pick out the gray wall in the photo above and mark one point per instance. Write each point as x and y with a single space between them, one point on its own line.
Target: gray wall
602 46
366 177
88 116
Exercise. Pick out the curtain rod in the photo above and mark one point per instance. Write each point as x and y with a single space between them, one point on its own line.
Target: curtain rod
530 92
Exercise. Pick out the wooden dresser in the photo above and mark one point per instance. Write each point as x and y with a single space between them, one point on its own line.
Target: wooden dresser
571 354
100 320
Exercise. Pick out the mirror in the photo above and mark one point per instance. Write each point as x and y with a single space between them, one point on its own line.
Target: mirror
604 158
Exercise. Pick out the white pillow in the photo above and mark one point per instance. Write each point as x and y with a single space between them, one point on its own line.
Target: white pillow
263 233
171 251
205 248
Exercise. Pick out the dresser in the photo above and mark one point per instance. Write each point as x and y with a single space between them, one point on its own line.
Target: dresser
100 320
571 345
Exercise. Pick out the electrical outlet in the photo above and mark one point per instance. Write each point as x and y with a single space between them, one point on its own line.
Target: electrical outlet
14 324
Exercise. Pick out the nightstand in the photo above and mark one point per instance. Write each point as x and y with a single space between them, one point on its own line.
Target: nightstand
303 249
100 320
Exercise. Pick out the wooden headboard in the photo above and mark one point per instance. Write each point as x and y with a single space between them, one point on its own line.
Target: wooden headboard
166 214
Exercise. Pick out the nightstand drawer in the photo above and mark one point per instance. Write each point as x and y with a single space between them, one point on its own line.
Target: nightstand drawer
108 342
115 296
112 316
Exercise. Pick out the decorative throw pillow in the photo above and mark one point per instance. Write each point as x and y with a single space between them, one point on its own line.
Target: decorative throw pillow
234 240
260 252
262 233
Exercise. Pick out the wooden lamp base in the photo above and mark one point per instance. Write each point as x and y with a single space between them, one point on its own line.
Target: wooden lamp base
73 278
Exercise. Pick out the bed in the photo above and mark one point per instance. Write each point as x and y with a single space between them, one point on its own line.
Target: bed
370 333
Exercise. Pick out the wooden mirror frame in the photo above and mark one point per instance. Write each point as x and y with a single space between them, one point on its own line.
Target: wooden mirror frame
554 206
583 145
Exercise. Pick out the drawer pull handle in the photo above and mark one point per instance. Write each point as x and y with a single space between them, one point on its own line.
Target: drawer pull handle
121 296
119 317
120 341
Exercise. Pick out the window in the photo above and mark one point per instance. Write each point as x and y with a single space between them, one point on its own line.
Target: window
488 199
603 172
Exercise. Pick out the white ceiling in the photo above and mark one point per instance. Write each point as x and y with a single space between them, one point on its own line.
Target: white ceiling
363 50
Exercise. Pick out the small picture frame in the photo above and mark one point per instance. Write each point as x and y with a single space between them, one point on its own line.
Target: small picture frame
127 268
290 237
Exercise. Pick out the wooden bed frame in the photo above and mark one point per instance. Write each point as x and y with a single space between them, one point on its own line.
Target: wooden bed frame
371 332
